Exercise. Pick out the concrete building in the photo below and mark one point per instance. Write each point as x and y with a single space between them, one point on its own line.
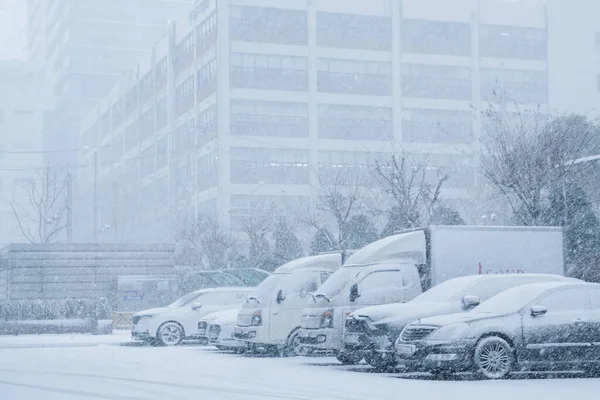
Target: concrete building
248 102
12 30
23 104
86 47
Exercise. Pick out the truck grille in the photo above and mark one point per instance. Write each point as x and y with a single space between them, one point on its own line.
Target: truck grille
135 320
417 332
214 331
356 325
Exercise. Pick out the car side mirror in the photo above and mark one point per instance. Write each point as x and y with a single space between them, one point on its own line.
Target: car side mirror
280 296
196 306
538 310
354 292
470 301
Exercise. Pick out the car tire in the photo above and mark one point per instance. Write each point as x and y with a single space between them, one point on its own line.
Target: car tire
170 334
292 345
379 363
493 358
349 358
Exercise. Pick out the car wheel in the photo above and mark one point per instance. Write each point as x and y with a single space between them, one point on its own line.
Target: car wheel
349 358
494 358
170 334
292 346
380 363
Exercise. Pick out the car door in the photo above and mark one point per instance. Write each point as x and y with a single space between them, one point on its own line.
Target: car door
594 325
286 314
560 335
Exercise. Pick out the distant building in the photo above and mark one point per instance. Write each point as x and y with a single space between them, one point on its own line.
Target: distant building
85 46
245 103
12 30
23 106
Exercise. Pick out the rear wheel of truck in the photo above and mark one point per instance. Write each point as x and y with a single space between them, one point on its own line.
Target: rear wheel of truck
349 358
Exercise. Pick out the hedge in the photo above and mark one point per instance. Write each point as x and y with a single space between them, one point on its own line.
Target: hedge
27 310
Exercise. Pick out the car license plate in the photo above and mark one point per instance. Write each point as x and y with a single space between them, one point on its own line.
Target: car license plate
405 349
352 338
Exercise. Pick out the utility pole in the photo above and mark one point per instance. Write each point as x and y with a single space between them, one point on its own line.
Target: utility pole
96 196
69 207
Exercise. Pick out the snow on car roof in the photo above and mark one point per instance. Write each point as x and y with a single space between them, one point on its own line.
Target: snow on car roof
225 289
326 262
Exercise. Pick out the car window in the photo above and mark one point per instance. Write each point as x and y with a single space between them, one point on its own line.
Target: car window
564 300
490 287
595 297
382 279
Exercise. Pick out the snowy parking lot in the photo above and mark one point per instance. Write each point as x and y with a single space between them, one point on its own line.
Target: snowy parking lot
81 367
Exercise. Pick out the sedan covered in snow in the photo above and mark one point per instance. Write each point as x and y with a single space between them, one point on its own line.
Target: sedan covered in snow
540 326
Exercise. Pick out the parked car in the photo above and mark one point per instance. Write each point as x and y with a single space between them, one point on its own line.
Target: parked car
220 331
398 268
202 334
270 319
372 331
541 326
178 321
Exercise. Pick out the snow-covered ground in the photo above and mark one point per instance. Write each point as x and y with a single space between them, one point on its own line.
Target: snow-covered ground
82 367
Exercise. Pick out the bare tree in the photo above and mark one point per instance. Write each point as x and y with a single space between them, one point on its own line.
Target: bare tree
204 245
258 228
410 187
525 155
44 216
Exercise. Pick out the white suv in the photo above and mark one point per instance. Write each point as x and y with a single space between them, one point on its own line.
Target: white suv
178 321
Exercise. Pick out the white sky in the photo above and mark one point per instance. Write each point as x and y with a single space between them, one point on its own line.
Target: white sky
13 37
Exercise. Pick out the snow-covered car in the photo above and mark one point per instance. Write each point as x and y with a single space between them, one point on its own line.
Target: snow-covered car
220 331
372 331
202 334
551 325
178 321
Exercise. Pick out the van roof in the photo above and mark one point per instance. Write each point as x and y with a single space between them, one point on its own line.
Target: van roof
325 262
408 245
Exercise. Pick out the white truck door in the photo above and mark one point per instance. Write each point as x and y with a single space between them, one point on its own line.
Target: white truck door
381 287
286 314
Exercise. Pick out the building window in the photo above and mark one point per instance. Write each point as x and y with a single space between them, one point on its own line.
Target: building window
269 25
207 80
271 72
337 167
207 171
355 77
117 146
436 37
269 118
184 96
184 53
147 87
513 85
146 124
131 136
118 113
184 139
162 152
354 31
269 165
436 81
207 125
161 113
513 42
355 122
161 73
437 126
206 33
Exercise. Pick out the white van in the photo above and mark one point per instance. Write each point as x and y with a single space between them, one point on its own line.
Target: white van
271 317
178 321
398 268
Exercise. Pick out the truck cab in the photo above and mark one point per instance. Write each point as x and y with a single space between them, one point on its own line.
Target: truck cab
270 318
386 271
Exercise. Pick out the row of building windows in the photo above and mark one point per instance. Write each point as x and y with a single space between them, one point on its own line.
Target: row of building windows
353 31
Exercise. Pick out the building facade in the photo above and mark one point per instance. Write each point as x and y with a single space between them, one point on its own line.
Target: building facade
86 47
23 104
247 103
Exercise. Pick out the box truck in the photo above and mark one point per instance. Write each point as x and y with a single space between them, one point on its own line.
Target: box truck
398 268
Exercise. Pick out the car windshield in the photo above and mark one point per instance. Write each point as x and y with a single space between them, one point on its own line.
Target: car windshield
445 291
268 286
338 281
182 301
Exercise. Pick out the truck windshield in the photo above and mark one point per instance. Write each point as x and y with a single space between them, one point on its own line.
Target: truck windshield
268 286
334 285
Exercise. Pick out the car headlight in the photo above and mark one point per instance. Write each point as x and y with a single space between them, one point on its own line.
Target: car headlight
326 319
453 331
256 319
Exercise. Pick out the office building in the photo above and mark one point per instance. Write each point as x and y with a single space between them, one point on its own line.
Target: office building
248 102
